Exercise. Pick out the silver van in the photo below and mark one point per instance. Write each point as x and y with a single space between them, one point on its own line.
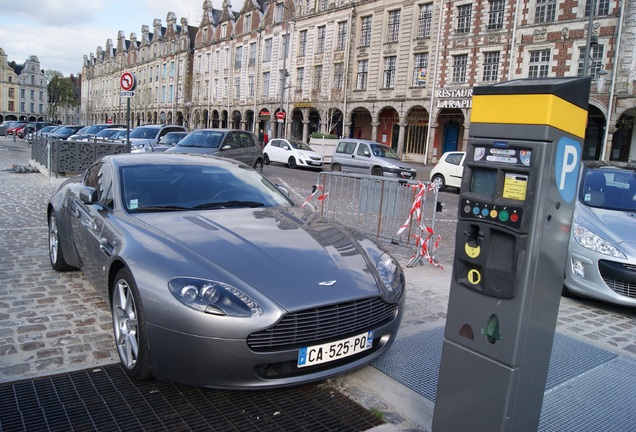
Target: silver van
369 157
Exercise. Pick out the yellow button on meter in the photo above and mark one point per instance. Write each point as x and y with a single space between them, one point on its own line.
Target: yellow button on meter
474 277
493 213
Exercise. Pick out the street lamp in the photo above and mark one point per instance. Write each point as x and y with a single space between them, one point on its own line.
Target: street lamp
285 74
588 44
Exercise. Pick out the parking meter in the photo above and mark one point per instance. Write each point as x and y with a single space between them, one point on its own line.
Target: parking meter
514 216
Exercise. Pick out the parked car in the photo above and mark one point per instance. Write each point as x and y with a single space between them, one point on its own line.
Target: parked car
449 170
30 137
88 132
15 128
369 157
601 261
103 135
64 132
5 125
168 140
230 143
144 138
215 278
292 153
32 127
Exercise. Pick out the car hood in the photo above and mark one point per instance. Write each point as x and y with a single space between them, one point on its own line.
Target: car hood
614 226
295 257
308 153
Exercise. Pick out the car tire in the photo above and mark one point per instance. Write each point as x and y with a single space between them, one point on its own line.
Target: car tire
56 254
129 326
266 158
565 292
438 180
291 163
377 171
258 165
336 167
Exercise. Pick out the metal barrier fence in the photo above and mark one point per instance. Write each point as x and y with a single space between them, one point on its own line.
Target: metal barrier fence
389 209
62 156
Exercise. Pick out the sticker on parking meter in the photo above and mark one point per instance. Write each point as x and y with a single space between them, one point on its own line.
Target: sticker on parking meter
566 164
515 186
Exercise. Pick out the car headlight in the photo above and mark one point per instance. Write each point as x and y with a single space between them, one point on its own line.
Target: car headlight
213 297
591 241
390 273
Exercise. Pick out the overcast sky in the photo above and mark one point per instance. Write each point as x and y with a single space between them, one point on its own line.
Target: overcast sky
61 32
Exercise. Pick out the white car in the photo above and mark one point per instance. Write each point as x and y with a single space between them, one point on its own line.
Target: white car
449 170
291 153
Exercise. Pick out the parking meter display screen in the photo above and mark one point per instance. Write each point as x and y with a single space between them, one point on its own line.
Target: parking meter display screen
483 181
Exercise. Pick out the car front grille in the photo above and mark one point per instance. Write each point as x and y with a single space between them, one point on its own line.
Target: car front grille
619 277
324 324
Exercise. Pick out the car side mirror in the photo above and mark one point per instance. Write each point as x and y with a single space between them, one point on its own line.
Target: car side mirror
88 195
226 147
283 189
286 147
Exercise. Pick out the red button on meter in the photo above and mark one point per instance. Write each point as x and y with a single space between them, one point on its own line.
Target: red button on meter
514 217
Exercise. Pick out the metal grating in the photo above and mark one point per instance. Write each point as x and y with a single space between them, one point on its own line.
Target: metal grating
587 388
105 399
312 325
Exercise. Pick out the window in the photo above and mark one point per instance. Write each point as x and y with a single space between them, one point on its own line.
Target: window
224 30
425 20
226 87
320 48
171 69
539 63
463 18
420 69
491 66
170 93
99 177
323 5
595 62
285 43
250 86
496 14
602 8
300 77
238 58
394 26
317 77
282 80
302 43
267 55
11 92
247 24
237 88
459 68
226 58
338 76
163 94
342 36
363 75
545 11
389 72
252 54
266 77
365 33
278 13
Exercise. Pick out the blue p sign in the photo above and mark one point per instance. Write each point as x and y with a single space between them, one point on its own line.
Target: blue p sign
567 163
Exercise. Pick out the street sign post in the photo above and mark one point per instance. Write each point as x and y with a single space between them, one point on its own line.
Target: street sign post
128 84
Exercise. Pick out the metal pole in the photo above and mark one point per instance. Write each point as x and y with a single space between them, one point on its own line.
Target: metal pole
281 132
128 125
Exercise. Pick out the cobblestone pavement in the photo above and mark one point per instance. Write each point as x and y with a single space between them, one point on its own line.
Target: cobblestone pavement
55 322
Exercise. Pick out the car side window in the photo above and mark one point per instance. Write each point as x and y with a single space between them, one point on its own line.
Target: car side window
346 147
246 140
454 158
363 150
233 140
100 178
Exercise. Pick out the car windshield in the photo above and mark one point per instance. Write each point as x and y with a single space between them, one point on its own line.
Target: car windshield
107 132
155 188
611 188
384 151
300 145
172 138
66 129
202 138
144 132
92 130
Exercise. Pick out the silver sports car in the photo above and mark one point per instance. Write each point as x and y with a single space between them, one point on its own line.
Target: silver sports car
215 278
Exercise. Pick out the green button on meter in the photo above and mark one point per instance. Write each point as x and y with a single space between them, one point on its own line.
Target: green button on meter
504 215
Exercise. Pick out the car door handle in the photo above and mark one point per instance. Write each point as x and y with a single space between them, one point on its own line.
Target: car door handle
105 246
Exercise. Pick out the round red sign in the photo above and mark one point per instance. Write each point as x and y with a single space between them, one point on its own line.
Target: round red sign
280 115
127 81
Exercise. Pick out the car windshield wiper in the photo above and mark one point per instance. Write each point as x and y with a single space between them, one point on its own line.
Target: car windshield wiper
161 208
225 204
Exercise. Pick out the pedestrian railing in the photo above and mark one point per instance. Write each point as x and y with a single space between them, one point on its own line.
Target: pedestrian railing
63 156
394 210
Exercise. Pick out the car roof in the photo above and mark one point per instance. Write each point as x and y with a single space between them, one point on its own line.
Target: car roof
130 159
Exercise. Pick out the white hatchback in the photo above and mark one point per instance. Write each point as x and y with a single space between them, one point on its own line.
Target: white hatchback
291 153
449 170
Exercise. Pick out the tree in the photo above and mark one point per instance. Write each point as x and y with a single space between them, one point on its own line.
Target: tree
61 93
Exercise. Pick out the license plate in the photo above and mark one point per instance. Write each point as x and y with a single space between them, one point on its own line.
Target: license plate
324 353
313 163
